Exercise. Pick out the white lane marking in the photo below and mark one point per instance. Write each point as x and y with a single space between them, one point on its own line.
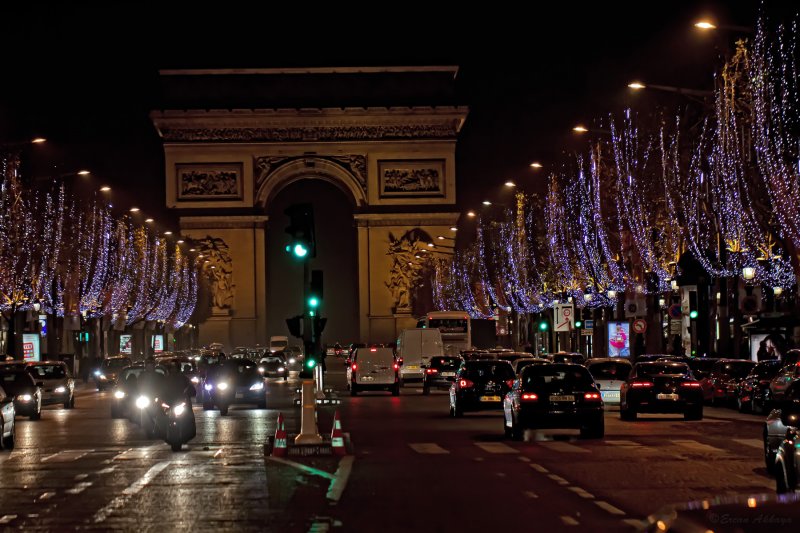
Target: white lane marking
530 494
496 447
539 468
569 521
754 443
558 446
80 487
80 477
7 518
558 479
696 446
340 478
65 456
129 492
304 468
427 448
582 493
107 470
218 453
638 524
524 459
46 496
622 443
610 508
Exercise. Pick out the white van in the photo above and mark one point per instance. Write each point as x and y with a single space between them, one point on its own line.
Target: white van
415 348
278 343
373 368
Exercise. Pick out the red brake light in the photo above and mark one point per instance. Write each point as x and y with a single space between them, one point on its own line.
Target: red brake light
510 383
396 366
433 371
465 383
529 397
637 384
591 396
373 349
354 367
693 384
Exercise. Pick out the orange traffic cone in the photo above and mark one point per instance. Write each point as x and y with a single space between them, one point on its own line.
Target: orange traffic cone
279 448
337 437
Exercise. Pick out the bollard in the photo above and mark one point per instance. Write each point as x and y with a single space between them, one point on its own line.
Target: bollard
320 383
309 434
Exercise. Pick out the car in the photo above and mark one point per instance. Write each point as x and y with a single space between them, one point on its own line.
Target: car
441 372
609 374
186 365
123 396
106 375
278 343
752 393
789 372
702 366
558 395
274 366
27 394
480 385
58 387
567 357
787 462
8 423
235 381
373 368
719 387
511 357
775 428
661 387
522 362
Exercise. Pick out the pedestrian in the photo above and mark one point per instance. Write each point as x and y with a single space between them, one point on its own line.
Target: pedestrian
776 346
762 353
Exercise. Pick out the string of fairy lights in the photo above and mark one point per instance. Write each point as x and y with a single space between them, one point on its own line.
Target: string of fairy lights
619 218
69 256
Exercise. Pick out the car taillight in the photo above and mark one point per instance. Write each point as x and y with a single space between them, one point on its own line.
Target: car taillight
591 396
641 384
396 366
432 371
465 383
354 367
529 397
691 384
510 383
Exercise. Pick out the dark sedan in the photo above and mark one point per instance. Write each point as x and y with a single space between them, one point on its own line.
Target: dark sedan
441 373
123 399
554 396
27 395
274 366
719 387
787 460
236 381
661 387
106 376
752 393
480 385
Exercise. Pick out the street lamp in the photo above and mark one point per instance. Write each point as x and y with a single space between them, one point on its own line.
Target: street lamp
587 297
486 202
612 294
580 129
748 273
454 228
510 184
37 306
777 291
536 164
471 214
674 284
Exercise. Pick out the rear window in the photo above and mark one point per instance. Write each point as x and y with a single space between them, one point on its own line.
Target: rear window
131 373
445 362
522 363
448 325
379 355
658 369
478 370
48 371
704 365
609 370
272 360
553 377
737 369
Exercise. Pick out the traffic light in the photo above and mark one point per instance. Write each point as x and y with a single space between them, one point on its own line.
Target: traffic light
301 229
543 325
314 299
693 305
578 323
294 326
311 363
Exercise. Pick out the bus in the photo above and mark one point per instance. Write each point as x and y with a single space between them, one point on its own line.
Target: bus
455 327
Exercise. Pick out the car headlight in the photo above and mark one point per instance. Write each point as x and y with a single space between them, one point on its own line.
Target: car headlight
60 389
119 394
281 369
195 380
101 376
142 402
197 358
96 372
208 386
261 370
222 385
257 386
292 361
25 397
179 409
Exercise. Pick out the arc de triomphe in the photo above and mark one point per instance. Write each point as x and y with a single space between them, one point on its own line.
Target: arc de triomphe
224 167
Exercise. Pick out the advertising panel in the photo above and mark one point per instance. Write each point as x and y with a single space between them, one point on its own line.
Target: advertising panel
126 344
619 339
158 343
30 347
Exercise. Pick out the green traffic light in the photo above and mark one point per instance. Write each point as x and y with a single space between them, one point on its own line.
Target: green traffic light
288 248
692 314
311 363
313 301
542 326
300 250
578 323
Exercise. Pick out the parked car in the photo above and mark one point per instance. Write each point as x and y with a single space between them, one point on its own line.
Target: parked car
441 372
27 394
661 387
609 374
719 387
557 395
58 387
752 393
787 374
373 368
775 428
106 376
702 366
480 385
8 424
787 460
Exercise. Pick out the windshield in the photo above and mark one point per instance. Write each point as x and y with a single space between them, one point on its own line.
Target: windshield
610 370
555 377
116 363
448 325
479 370
445 362
272 360
48 371
132 372
279 344
658 369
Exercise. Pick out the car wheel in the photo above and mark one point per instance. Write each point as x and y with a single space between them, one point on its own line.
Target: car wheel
695 413
781 478
223 410
396 390
769 456
506 429
457 412
353 390
176 446
8 442
627 414
426 390
517 432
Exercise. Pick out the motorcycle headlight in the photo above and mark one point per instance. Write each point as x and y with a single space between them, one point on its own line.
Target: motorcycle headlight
119 394
257 386
179 409
208 386
281 369
195 380
222 385
25 397
142 402
60 389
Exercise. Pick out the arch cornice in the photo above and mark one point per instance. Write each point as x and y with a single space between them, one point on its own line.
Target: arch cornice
283 174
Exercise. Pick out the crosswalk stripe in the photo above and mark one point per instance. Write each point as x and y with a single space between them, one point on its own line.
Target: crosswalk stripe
622 443
496 447
427 448
558 446
610 508
569 521
65 456
696 446
755 443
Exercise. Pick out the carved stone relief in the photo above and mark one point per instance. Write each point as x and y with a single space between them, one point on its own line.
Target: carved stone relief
406 269
219 270
353 163
310 134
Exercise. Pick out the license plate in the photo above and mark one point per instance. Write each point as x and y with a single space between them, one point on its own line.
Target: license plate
448 374
667 396
563 398
490 398
239 395
611 395
412 367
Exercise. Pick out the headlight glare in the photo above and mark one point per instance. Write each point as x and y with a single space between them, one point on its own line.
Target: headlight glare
257 386
179 409
119 395
142 402
25 397
195 380
208 386
60 389
222 386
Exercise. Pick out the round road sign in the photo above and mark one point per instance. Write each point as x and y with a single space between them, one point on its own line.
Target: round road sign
639 326
675 311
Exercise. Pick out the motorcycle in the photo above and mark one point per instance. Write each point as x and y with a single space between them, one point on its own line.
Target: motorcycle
177 423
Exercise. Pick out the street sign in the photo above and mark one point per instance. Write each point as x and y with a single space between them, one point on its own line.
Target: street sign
675 327
639 326
588 327
565 317
675 311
